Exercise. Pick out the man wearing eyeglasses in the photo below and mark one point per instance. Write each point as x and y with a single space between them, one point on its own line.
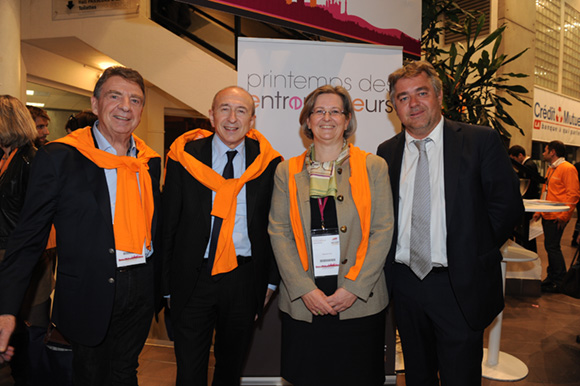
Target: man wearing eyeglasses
218 256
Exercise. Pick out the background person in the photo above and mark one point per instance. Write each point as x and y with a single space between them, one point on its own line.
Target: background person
41 120
561 186
526 168
80 120
17 134
456 200
337 197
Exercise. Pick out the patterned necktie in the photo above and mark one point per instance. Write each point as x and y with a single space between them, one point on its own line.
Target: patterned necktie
217 221
421 216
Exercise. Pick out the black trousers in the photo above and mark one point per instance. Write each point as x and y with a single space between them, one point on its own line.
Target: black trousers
228 306
434 333
114 362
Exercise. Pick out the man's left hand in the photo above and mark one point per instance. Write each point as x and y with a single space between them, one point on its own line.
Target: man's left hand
561 223
269 293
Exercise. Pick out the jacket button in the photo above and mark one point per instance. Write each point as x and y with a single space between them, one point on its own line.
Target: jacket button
343 228
340 197
111 280
111 251
371 295
344 261
339 170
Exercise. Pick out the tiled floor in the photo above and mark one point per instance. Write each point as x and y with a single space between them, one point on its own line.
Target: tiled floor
539 331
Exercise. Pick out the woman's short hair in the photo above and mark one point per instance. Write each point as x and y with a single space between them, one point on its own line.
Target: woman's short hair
411 70
310 101
17 127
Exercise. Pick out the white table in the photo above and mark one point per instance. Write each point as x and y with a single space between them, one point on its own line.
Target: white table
498 365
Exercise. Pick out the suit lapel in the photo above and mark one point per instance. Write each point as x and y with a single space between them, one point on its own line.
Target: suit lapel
98 185
395 169
201 149
452 149
252 187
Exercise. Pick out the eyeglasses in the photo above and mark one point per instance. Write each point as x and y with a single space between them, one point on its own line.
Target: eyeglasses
322 113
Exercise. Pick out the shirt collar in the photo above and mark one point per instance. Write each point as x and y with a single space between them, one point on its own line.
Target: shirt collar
436 135
558 162
104 145
220 149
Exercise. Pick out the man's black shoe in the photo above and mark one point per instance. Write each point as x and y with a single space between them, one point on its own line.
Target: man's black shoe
546 282
550 288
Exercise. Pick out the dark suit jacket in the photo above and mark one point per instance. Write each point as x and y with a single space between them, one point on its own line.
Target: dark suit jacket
67 189
187 223
482 206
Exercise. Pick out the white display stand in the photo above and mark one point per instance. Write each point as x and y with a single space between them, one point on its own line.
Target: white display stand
498 365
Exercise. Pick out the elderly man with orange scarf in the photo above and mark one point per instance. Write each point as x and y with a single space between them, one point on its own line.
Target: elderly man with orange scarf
99 187
218 260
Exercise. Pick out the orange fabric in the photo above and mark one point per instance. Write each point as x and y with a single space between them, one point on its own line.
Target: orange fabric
4 162
361 194
563 187
51 238
226 198
134 207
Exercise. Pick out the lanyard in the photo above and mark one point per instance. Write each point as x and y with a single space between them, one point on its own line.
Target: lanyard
321 206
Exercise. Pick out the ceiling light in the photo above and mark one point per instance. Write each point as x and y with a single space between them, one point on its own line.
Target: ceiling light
35 104
105 65
29 92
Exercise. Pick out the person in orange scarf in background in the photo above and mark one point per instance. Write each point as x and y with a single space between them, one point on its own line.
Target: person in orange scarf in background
218 260
331 224
99 186
17 135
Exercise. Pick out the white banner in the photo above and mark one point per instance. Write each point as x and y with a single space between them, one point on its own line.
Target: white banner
281 73
555 118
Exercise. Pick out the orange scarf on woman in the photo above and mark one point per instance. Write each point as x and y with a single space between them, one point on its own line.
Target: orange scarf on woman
226 197
6 159
134 207
361 194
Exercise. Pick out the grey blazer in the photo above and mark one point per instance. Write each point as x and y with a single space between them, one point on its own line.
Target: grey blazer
370 286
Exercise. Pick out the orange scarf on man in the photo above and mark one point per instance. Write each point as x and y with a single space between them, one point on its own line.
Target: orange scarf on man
361 195
134 207
226 197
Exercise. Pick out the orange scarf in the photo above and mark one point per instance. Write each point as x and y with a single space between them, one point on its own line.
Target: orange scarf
361 194
134 207
226 197
5 161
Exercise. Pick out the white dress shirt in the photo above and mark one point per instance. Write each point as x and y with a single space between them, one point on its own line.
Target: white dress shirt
436 175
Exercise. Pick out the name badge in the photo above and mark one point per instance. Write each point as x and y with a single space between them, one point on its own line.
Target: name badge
126 259
325 252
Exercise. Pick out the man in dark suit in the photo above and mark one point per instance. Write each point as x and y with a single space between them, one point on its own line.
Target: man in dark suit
99 187
456 201
217 252
526 169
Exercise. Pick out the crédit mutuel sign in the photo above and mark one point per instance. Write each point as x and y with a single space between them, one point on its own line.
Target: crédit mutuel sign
555 117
